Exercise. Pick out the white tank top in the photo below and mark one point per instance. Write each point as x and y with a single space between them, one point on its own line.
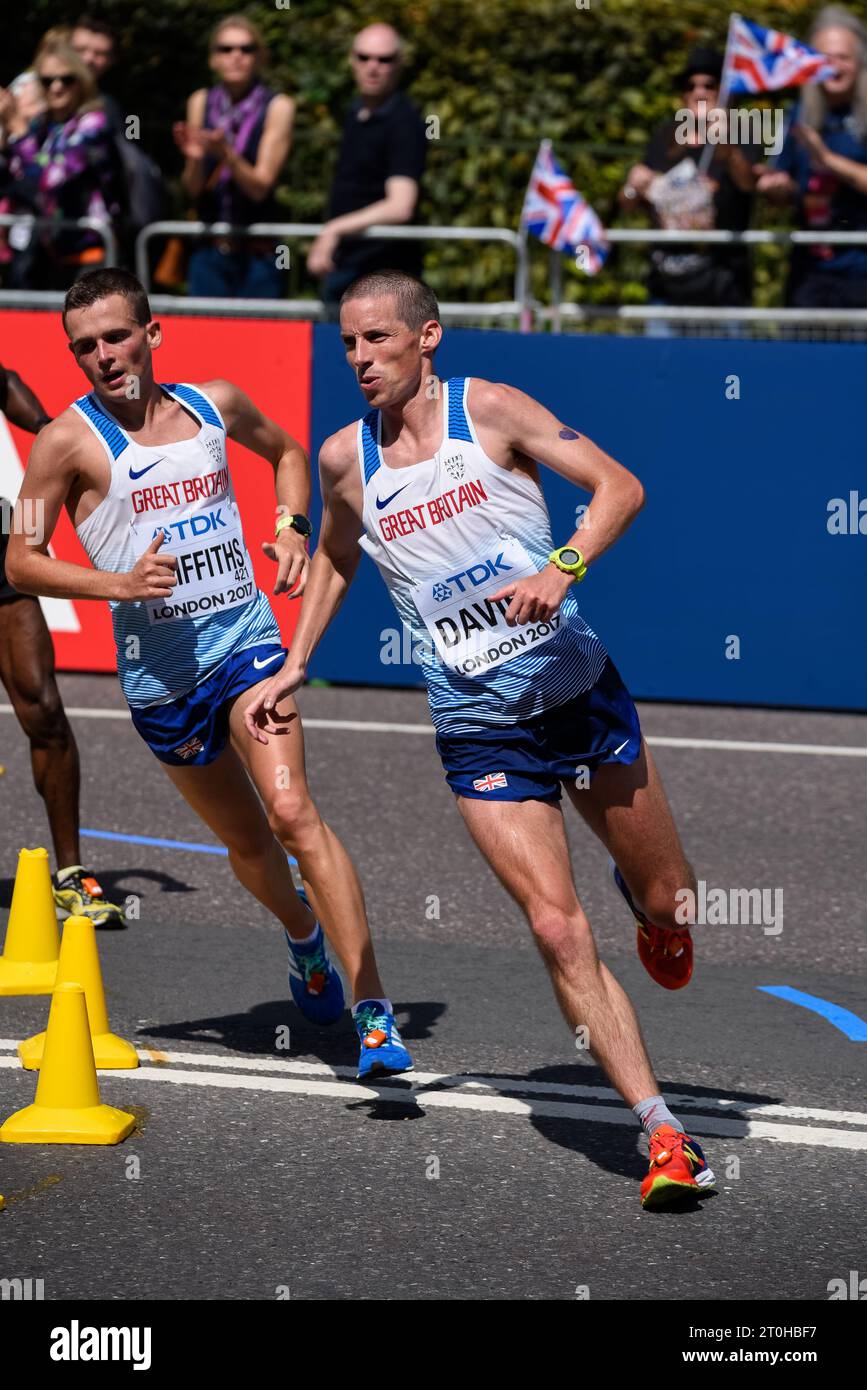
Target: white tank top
165 647
446 534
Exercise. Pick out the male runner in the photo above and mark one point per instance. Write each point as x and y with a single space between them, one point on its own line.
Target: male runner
141 469
522 693
27 671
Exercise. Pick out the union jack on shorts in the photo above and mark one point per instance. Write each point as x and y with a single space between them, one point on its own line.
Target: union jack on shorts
487 784
764 60
189 749
556 213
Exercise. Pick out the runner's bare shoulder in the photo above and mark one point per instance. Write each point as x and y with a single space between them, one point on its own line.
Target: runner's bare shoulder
490 401
337 455
65 445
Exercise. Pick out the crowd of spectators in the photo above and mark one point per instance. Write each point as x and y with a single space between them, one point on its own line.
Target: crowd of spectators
68 151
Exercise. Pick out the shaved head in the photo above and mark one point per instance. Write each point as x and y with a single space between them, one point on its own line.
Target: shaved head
378 38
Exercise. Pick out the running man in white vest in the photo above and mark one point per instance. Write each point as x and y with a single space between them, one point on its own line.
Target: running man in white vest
438 483
141 469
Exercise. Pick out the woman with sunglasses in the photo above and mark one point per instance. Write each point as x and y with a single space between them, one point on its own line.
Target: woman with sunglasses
716 197
235 140
63 166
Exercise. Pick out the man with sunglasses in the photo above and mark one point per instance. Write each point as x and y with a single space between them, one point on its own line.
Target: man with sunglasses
716 198
379 170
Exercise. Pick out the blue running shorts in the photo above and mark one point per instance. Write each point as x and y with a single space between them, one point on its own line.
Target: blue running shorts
522 762
194 729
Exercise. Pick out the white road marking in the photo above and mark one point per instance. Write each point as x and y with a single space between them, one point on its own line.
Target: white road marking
302 1078
372 726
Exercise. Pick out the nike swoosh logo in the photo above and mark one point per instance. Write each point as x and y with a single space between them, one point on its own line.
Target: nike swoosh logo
380 505
141 472
267 662
621 748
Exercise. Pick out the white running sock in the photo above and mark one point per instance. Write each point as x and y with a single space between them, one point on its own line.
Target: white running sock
654 1112
304 940
386 1004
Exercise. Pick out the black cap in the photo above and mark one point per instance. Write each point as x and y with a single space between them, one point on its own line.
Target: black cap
708 60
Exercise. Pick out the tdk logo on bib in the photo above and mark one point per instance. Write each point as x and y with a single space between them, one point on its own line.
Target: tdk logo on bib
199 525
475 575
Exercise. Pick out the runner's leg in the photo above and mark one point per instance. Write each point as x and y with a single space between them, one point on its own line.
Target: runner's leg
626 808
28 673
525 844
222 796
278 771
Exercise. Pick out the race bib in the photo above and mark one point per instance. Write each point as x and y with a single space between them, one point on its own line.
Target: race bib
467 627
214 571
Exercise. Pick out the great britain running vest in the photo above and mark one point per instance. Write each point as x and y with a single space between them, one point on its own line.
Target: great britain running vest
165 647
446 534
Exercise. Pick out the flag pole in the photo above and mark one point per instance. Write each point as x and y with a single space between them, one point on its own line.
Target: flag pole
725 84
555 282
522 266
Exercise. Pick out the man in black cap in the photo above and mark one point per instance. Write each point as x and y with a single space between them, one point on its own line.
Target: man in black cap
693 195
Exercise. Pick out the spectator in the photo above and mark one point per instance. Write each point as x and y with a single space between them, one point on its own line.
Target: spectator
822 167
19 105
64 166
716 197
235 140
379 170
94 42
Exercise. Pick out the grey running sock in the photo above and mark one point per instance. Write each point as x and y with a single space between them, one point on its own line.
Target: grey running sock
654 1112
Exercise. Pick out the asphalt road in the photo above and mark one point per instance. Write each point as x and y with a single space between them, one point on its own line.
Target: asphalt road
504 1169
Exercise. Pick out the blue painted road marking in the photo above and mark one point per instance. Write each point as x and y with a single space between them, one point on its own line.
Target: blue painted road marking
854 1027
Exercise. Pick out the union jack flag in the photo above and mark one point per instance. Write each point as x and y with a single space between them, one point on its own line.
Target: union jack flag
189 749
556 213
763 60
487 784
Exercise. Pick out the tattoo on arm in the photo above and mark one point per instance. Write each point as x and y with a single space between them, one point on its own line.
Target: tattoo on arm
569 434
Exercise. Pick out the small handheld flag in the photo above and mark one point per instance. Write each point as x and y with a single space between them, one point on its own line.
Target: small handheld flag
764 60
556 213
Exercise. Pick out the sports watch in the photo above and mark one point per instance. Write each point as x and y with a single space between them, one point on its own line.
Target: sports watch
299 522
569 561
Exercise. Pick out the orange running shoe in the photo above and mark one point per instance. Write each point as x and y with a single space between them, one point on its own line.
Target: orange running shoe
678 1169
666 954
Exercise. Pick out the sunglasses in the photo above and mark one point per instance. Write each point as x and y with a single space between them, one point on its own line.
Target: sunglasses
701 87
247 48
385 58
66 79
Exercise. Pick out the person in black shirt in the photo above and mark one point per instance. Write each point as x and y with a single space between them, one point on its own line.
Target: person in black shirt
716 197
379 170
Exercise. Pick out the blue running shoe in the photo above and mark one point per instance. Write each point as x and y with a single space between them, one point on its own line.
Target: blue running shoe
315 984
381 1047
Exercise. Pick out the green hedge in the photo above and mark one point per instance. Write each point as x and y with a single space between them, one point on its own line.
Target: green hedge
499 75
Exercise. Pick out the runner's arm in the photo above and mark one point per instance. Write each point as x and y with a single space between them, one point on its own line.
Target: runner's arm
337 554
20 404
525 426
246 424
48 480
331 573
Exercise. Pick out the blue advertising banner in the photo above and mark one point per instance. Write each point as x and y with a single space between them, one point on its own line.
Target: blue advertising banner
743 578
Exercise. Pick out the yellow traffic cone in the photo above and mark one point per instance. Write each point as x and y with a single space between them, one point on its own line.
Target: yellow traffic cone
67 1108
79 963
28 964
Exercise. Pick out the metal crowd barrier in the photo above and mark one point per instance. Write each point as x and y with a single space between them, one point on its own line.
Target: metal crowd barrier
305 308
100 225
522 308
